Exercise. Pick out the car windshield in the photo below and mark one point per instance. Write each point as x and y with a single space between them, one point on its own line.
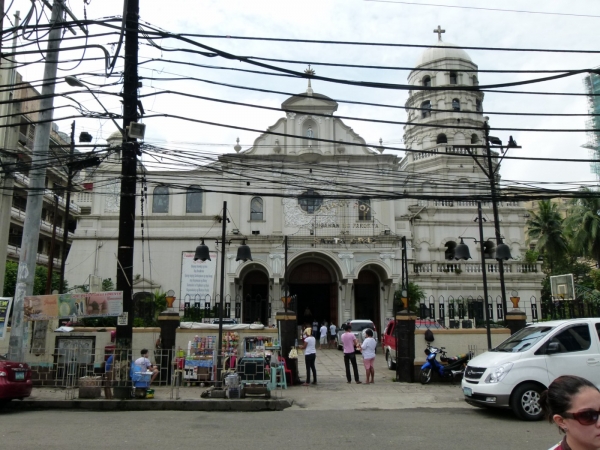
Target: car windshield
523 339
360 326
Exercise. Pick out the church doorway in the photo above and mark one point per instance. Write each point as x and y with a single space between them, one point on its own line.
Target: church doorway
255 296
316 293
366 297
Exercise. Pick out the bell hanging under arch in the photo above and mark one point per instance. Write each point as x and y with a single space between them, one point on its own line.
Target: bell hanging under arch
503 252
243 253
462 251
202 252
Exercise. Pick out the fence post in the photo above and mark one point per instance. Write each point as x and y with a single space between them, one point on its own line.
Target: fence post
168 322
286 322
405 346
515 320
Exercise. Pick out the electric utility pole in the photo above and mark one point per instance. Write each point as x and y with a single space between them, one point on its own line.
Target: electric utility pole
128 175
7 158
35 194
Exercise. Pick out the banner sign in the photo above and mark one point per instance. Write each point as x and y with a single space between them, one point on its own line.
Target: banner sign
84 305
5 303
197 277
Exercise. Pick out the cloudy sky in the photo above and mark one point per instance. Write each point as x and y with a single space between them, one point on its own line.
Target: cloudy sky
572 25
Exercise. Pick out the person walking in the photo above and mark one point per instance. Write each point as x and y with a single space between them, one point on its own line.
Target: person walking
332 335
310 356
350 343
573 404
322 336
368 351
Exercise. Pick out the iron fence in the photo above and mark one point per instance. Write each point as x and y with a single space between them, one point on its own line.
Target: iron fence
469 312
243 309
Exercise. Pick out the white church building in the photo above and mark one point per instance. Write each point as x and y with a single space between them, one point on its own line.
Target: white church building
342 207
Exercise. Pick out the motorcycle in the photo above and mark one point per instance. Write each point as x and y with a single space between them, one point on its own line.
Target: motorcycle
452 367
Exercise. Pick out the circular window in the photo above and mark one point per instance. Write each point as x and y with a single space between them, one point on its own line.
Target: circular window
310 201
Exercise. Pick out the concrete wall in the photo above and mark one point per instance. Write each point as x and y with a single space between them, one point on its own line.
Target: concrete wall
458 341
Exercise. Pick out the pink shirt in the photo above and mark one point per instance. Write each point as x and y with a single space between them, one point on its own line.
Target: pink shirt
348 341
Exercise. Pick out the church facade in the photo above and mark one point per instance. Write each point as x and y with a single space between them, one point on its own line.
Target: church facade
311 193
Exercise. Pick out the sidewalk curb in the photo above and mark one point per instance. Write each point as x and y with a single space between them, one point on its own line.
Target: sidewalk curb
250 405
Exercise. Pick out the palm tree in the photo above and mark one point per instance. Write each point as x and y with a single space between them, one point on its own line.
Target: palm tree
545 227
583 224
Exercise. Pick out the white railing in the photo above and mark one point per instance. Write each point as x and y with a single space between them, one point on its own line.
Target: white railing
510 267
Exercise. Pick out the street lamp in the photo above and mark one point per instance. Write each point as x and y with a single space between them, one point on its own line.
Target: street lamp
462 252
76 82
203 254
491 173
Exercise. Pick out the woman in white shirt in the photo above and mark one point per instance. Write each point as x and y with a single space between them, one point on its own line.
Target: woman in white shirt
310 356
368 352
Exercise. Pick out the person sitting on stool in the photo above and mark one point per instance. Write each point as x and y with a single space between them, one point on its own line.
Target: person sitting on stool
146 365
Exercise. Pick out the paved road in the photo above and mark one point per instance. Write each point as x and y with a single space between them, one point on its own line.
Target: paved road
429 429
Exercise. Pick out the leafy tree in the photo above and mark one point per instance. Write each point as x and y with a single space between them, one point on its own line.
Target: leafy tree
545 226
39 281
416 295
583 223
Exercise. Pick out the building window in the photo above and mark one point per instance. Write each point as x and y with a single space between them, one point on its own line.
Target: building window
453 77
441 139
427 81
160 199
364 209
193 200
456 104
475 81
474 139
310 201
426 109
478 106
256 208
449 252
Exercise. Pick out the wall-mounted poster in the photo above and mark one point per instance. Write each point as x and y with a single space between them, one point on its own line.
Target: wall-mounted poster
87 304
5 303
197 277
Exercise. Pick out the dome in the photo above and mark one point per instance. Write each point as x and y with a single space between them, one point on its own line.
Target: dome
115 139
441 51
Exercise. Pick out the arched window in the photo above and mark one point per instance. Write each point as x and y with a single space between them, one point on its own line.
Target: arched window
453 77
193 199
160 199
310 201
478 106
427 81
450 247
456 104
364 209
441 139
474 139
426 109
475 81
256 208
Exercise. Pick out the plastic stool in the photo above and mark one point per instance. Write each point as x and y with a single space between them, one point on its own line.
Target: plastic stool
278 377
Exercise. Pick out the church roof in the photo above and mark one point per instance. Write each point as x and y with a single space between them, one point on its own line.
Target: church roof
305 99
441 51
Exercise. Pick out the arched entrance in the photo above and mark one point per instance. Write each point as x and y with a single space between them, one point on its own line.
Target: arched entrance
366 297
255 296
316 293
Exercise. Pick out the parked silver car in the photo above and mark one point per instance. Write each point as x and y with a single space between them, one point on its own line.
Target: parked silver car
358 329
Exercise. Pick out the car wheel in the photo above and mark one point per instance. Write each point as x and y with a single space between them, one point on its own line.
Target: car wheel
425 375
388 359
525 402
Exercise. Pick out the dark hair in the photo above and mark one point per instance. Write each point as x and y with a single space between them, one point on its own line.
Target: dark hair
557 399
144 351
369 332
347 327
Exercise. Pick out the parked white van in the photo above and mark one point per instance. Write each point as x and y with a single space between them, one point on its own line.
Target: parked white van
514 374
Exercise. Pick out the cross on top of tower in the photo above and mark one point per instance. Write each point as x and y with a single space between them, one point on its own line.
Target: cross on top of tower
439 32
